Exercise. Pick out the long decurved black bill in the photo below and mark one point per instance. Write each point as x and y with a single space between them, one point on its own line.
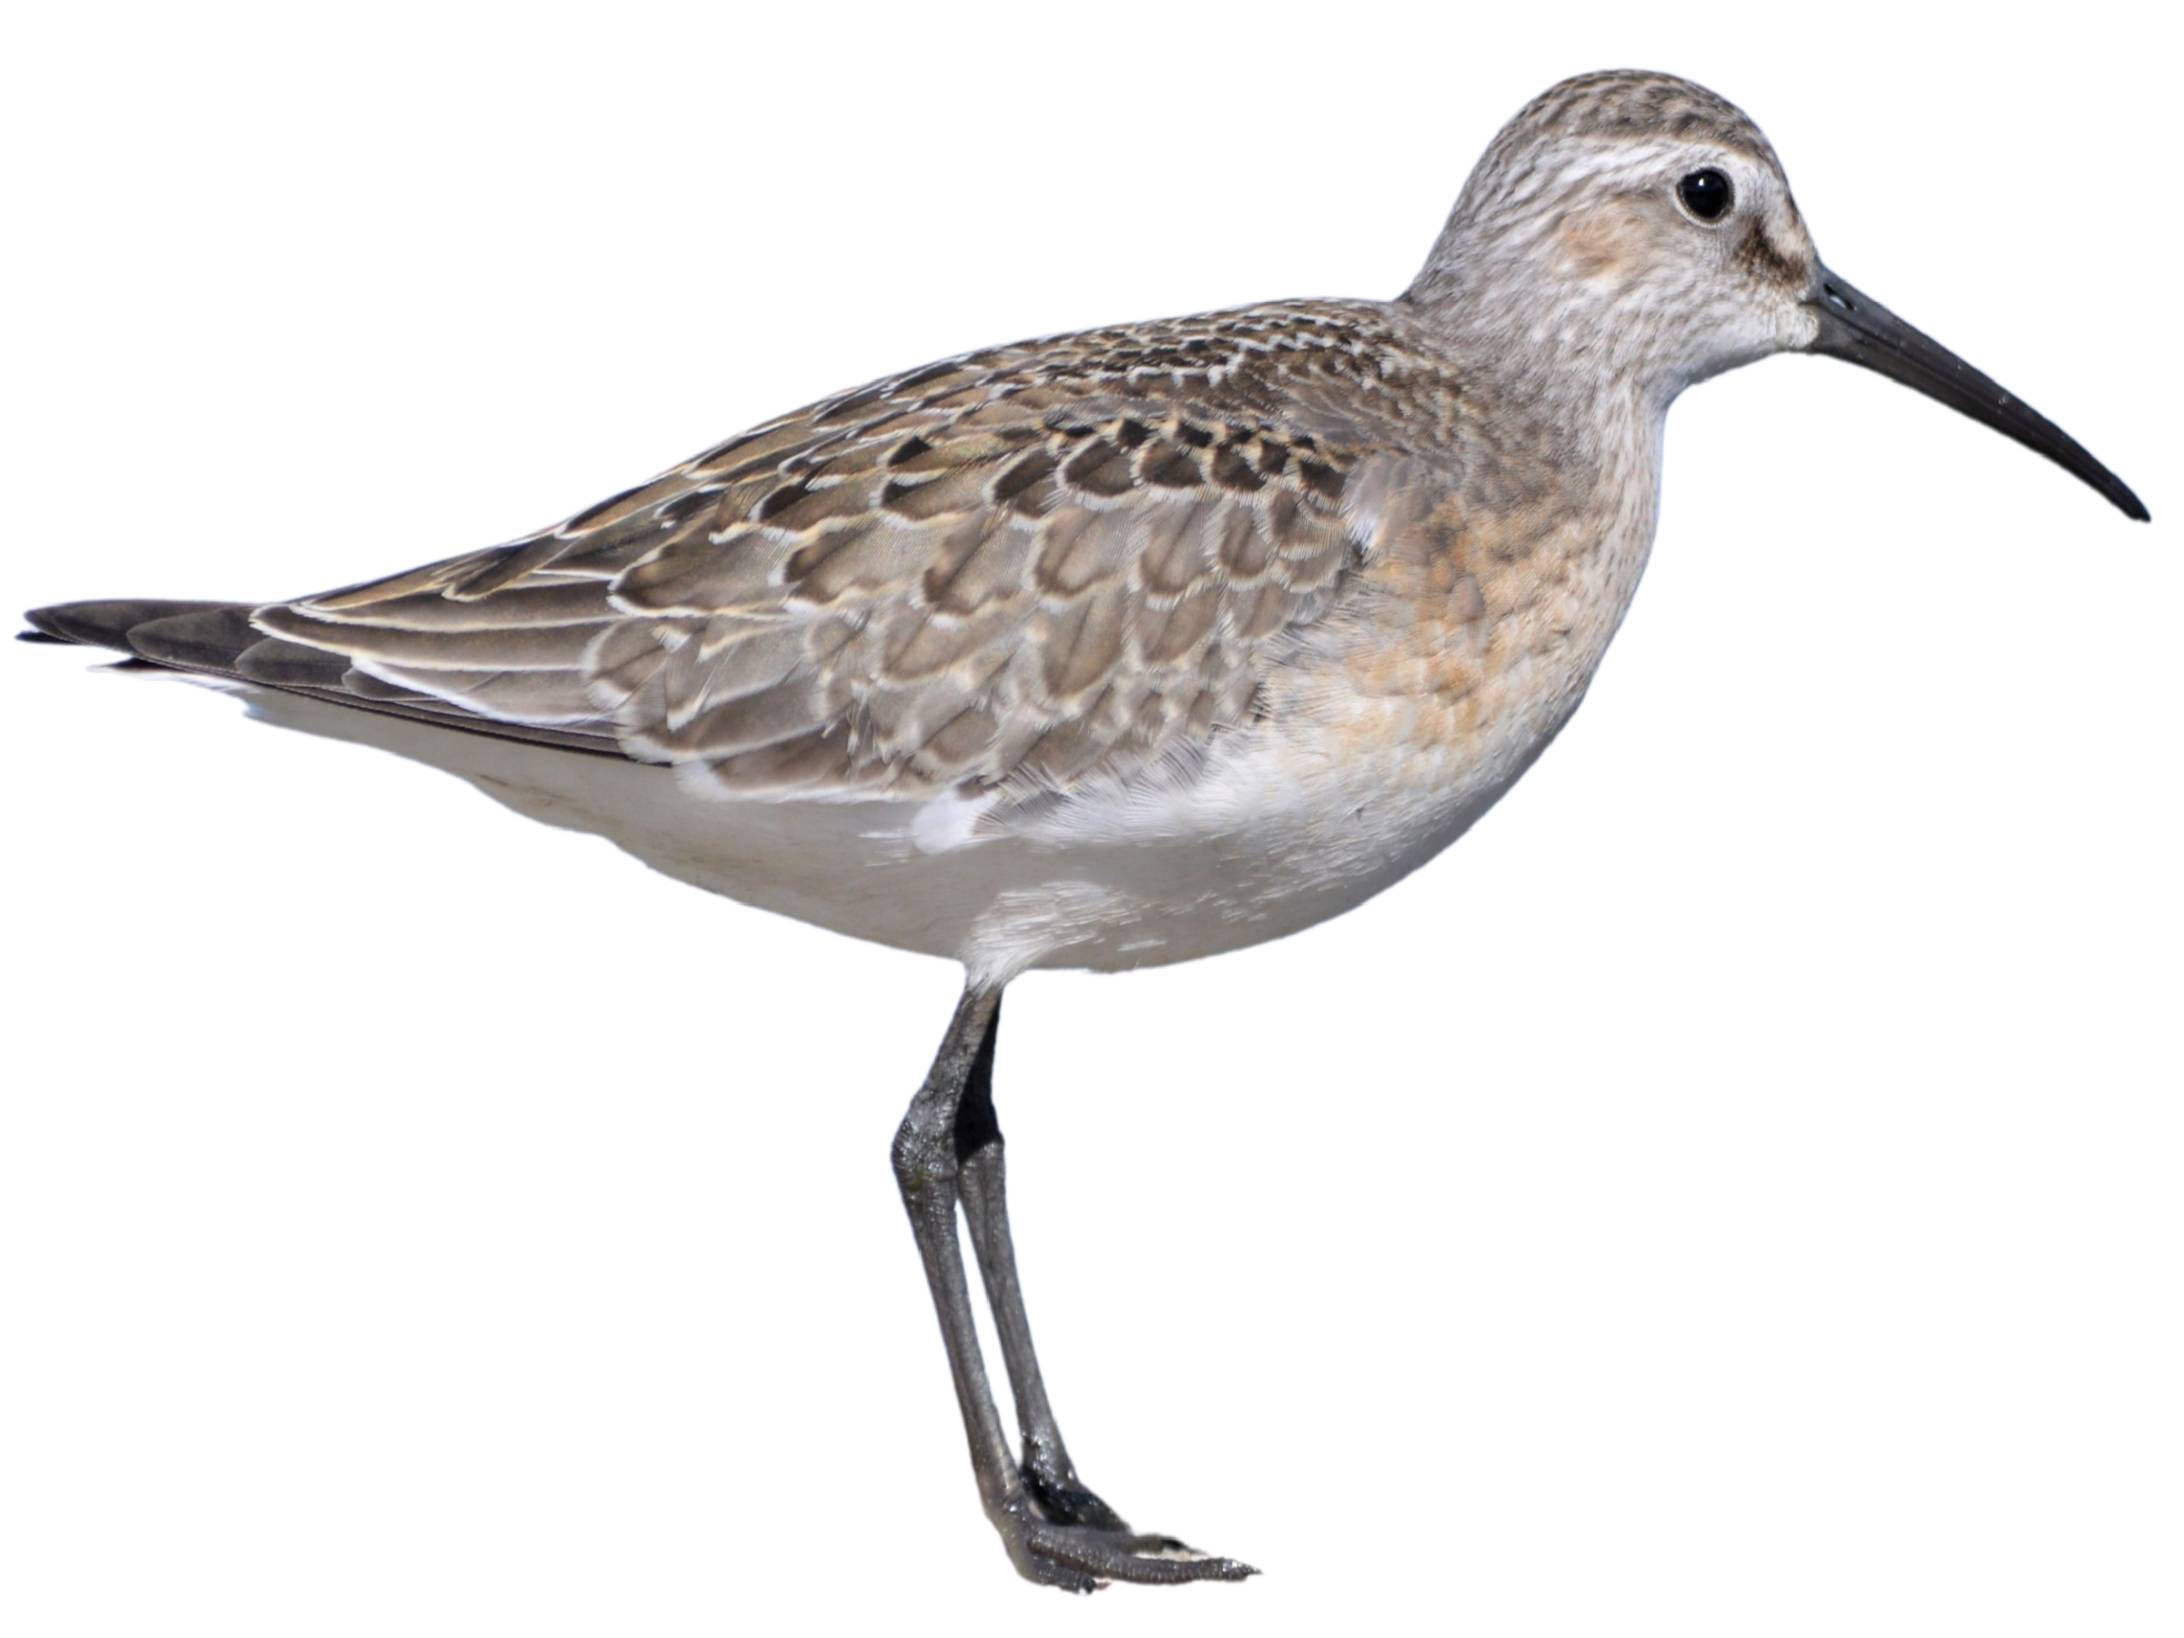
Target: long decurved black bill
1854 326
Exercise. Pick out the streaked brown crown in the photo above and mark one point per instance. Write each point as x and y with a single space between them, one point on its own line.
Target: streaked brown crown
1636 103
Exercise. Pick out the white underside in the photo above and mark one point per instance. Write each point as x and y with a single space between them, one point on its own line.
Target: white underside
1264 842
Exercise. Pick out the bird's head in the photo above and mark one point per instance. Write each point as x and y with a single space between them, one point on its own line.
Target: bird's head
1635 227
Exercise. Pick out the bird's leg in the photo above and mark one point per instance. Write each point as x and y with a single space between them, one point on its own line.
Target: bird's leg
981 1155
1075 1551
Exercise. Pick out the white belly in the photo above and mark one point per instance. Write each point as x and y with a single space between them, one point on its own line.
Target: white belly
1263 843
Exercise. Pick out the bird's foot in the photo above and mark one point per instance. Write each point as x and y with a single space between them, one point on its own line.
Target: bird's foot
1060 1496
1085 1556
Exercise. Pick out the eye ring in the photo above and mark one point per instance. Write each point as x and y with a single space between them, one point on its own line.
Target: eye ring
1706 194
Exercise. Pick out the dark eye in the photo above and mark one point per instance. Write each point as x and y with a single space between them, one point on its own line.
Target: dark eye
1705 194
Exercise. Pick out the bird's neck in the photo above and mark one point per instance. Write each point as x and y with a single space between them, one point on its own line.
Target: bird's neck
1554 343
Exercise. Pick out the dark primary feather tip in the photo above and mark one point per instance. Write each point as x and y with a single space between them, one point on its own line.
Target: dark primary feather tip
210 637
49 625
106 622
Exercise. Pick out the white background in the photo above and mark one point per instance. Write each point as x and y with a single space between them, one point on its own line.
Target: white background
1734 1192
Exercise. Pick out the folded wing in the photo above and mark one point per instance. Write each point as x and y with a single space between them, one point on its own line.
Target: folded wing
1017 570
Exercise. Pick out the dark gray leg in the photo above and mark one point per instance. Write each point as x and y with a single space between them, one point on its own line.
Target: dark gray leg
1055 1531
980 1151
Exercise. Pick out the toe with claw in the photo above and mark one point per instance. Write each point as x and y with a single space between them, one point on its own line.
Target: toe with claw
1083 1557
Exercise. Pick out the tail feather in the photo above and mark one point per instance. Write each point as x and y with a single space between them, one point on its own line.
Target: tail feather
195 639
214 637
106 623
218 639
